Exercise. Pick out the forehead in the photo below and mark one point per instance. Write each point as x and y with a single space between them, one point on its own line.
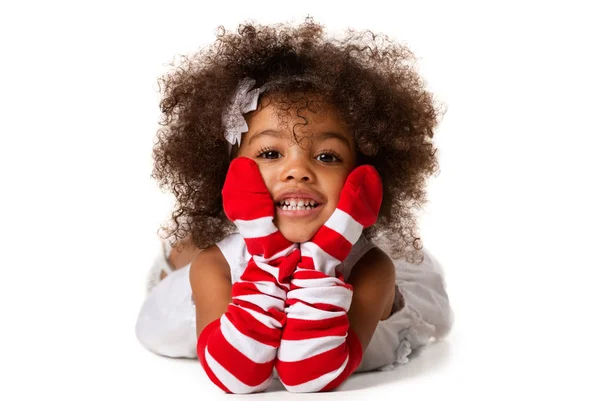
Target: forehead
303 114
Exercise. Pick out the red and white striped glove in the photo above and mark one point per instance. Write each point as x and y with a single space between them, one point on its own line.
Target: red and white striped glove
318 349
238 350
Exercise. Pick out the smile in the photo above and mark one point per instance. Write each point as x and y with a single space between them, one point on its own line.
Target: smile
295 207
297 204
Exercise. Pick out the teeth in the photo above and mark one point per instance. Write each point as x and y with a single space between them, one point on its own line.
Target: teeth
297 204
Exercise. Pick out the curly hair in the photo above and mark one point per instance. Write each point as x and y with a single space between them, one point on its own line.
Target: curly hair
370 79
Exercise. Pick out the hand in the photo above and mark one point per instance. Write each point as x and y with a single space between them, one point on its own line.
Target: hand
358 208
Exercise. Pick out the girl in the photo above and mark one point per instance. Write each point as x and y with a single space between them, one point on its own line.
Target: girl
297 163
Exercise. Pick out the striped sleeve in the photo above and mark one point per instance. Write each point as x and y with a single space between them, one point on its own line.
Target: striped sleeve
238 350
318 349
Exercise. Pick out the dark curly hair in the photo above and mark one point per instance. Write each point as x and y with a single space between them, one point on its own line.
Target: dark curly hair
370 79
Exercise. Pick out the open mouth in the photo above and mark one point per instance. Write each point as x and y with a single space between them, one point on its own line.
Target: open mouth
298 204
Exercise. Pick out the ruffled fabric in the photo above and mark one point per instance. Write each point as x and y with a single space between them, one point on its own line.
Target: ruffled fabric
426 316
166 323
159 265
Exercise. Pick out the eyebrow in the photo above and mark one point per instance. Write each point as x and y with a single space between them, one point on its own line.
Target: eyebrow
321 136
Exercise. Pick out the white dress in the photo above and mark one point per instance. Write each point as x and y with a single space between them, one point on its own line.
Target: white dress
166 322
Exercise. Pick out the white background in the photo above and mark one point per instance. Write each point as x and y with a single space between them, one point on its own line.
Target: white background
513 215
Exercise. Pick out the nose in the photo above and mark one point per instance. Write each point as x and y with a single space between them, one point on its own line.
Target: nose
297 169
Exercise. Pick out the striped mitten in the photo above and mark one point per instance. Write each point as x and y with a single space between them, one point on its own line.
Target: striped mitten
318 349
238 350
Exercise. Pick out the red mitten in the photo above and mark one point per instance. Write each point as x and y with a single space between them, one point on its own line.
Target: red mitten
318 349
238 350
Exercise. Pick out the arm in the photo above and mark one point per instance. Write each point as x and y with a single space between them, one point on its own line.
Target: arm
373 278
238 327
332 341
211 286
237 350
319 349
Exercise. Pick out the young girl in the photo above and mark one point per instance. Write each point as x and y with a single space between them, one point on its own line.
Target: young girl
297 163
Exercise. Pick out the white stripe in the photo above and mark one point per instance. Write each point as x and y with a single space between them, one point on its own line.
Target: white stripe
317 282
300 269
273 271
263 301
267 288
338 296
341 222
322 260
230 381
266 320
319 383
306 312
256 228
298 350
255 350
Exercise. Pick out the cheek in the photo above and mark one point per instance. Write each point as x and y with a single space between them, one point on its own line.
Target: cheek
335 186
268 176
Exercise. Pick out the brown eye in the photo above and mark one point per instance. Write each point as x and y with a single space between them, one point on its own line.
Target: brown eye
269 154
327 158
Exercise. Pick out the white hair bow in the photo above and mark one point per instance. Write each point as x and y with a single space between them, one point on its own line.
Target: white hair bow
243 101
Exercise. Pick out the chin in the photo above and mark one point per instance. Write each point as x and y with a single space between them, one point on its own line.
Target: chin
297 236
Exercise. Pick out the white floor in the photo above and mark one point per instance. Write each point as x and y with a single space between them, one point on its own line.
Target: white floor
425 377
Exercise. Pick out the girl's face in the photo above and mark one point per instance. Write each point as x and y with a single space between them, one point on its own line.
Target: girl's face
304 178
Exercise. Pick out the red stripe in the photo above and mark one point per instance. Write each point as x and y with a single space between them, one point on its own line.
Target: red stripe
245 195
236 363
241 288
306 262
249 207
254 273
287 265
295 373
299 372
242 291
300 329
362 194
333 243
254 307
239 365
203 339
249 286
247 324
356 354
267 246
320 306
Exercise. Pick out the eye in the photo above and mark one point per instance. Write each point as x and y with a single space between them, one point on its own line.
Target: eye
328 157
270 154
